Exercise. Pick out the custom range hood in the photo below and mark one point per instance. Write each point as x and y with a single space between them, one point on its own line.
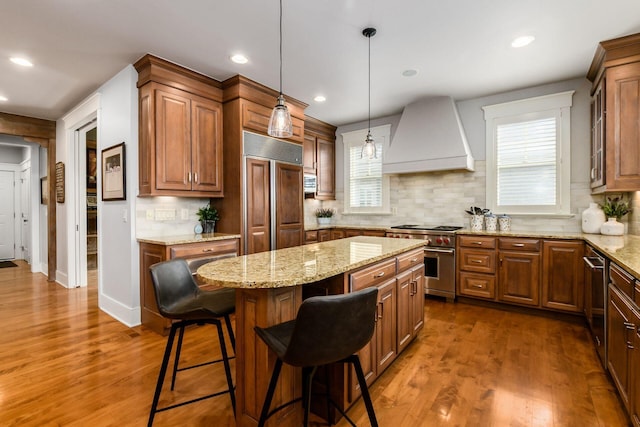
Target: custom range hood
430 137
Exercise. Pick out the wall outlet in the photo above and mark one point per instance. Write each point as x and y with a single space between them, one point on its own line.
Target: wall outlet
165 214
184 214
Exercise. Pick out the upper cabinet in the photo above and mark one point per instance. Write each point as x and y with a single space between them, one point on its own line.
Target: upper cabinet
180 131
615 114
320 156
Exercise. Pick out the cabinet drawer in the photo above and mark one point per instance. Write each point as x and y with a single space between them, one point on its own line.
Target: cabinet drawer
311 236
477 285
477 242
531 245
372 275
411 259
623 280
478 260
194 250
636 293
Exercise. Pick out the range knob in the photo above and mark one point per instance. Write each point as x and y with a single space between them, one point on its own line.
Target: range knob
439 240
446 241
427 241
407 236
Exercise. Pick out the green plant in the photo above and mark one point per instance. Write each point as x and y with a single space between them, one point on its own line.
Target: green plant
325 212
207 213
615 207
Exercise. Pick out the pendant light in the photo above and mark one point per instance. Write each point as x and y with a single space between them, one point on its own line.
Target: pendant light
280 124
369 147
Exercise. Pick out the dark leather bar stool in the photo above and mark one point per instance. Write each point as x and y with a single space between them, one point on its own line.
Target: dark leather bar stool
179 298
327 329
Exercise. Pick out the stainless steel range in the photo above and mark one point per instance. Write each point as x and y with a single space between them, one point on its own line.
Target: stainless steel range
439 255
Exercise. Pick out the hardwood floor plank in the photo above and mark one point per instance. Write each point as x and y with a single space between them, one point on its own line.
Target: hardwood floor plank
64 362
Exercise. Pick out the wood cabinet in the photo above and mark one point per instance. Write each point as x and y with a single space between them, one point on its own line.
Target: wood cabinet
563 275
519 271
386 333
615 145
476 266
635 374
410 290
256 117
319 156
152 253
180 131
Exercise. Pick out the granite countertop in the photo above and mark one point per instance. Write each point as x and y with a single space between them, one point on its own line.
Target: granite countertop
309 227
302 264
623 250
186 238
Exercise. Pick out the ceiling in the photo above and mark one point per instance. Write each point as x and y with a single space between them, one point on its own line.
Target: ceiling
459 48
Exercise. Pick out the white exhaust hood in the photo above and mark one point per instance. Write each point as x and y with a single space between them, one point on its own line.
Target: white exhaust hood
430 137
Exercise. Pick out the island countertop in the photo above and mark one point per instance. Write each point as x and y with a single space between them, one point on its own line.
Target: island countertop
303 264
168 240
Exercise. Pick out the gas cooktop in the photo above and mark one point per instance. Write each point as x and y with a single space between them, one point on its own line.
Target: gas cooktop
426 227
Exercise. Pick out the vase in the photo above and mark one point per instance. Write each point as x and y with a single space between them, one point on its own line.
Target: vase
612 228
505 223
477 222
592 219
324 221
208 226
490 223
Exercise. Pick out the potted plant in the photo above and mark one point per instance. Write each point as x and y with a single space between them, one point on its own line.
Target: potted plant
208 217
324 215
614 209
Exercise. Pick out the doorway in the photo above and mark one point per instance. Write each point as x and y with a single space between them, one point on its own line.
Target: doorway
87 215
7 212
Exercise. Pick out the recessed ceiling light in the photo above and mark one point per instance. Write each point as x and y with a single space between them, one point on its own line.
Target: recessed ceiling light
239 59
3 98
21 61
522 41
319 98
409 73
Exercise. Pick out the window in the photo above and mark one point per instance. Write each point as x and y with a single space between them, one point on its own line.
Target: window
366 189
528 155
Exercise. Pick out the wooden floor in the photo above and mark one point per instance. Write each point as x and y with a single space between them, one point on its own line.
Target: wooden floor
64 362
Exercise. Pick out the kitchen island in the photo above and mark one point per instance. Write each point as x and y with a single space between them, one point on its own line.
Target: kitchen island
270 288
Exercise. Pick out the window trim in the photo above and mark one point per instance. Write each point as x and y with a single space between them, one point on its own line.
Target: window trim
557 105
381 135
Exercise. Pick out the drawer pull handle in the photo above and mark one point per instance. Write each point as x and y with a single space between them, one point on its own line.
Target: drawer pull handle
630 345
476 261
379 274
630 326
477 243
477 286
208 250
414 259
518 245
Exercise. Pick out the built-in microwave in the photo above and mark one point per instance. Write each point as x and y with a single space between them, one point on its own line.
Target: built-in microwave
310 183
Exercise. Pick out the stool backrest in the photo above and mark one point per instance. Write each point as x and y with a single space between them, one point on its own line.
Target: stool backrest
172 282
331 328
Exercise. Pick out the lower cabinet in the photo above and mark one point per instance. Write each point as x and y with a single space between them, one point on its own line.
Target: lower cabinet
519 277
563 275
410 305
195 253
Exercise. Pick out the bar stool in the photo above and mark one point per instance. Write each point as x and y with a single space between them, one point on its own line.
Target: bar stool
327 329
179 298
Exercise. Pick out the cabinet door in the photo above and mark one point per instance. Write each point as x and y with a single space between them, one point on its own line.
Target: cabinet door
386 328
258 213
337 234
635 373
405 307
519 277
173 139
562 275
151 254
289 210
256 117
309 154
206 147
326 160
597 176
324 235
622 130
417 299
620 329
367 356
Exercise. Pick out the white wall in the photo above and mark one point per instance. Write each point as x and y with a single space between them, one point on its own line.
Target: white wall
11 154
441 197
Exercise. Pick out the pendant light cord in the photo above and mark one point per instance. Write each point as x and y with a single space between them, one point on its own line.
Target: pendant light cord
369 37
280 47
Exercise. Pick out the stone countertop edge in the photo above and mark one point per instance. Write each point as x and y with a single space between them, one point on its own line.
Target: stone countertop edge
623 250
301 265
186 238
345 227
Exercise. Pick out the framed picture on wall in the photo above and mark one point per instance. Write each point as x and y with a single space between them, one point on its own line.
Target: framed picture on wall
92 167
44 191
114 173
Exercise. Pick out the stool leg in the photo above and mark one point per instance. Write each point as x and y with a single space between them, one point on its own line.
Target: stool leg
227 368
269 397
175 362
307 378
364 389
163 371
227 320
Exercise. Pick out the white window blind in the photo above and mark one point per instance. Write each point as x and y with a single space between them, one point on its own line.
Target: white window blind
366 188
526 159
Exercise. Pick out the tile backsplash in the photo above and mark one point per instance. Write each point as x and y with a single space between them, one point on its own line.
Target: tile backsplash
440 198
166 216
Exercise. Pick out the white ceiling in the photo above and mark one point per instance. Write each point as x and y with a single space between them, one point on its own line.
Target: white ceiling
460 48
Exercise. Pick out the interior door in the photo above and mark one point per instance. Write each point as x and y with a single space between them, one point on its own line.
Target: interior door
25 217
7 212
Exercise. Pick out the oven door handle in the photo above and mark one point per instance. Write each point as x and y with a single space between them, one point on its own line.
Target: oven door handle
442 251
589 262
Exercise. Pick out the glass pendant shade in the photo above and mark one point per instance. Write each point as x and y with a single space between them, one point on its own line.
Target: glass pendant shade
369 148
280 125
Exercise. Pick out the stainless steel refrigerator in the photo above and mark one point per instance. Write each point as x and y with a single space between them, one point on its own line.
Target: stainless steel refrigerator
273 189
